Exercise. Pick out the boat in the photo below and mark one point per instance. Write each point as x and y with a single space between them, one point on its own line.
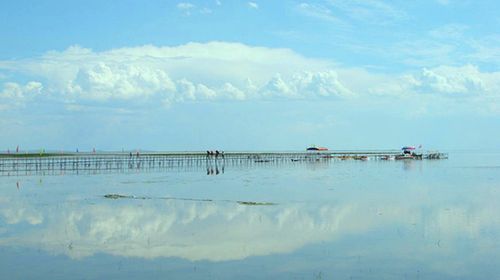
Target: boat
360 157
404 156
388 157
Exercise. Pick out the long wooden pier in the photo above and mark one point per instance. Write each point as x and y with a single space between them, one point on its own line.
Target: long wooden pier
103 162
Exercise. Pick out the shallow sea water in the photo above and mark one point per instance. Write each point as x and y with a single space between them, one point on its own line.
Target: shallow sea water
430 219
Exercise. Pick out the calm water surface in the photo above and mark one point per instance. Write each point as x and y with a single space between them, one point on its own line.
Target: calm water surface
336 220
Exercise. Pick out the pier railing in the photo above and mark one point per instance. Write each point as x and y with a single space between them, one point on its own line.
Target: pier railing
30 163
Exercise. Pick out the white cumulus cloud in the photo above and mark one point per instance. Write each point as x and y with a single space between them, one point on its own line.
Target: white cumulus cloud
452 80
306 85
201 72
13 94
103 81
195 71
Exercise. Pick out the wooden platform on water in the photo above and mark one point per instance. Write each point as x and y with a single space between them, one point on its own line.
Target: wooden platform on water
55 163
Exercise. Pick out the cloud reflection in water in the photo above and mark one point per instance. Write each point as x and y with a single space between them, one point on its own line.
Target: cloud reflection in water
221 231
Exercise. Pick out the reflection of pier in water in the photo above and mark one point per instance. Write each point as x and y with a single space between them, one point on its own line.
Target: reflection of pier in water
97 163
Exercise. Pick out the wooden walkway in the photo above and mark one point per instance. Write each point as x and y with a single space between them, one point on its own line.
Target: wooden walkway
107 162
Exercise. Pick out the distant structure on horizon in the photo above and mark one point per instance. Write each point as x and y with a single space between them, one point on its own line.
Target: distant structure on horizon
314 148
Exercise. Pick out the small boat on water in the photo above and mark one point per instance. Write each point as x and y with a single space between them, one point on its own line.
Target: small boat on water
404 156
360 157
388 157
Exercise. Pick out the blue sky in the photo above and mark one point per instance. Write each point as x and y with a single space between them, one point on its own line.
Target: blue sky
249 75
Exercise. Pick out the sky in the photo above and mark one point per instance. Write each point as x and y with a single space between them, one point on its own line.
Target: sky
249 75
